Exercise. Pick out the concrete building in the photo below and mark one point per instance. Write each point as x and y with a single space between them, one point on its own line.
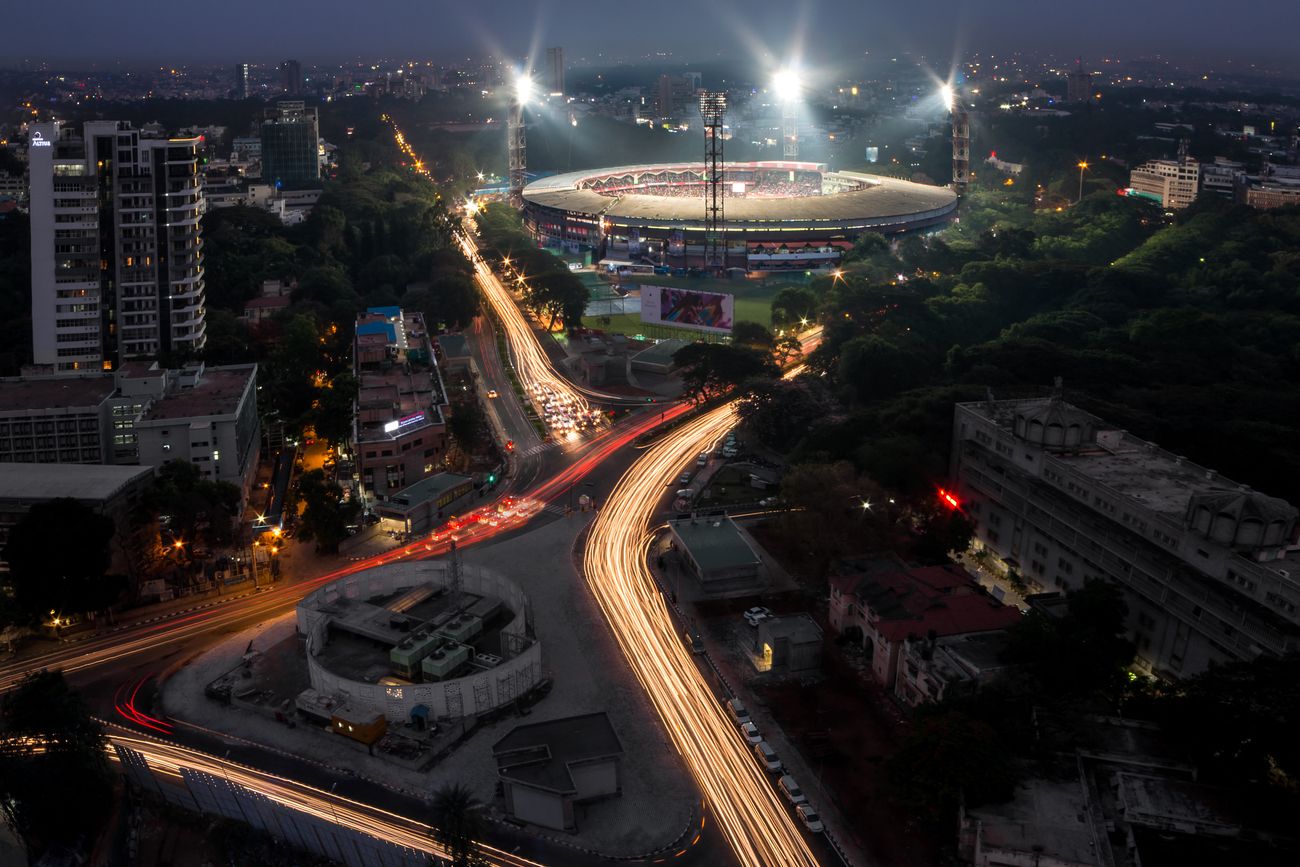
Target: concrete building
1126 800
420 507
1175 183
1078 84
546 768
789 644
117 269
243 87
401 409
141 413
55 420
291 77
290 140
931 669
555 71
209 418
1267 196
109 490
430 641
1209 568
716 553
1224 178
884 610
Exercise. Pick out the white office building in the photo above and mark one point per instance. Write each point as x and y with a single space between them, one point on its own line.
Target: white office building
1210 569
1175 182
116 248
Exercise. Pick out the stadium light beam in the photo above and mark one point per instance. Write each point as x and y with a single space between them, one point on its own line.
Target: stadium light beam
525 89
949 96
787 85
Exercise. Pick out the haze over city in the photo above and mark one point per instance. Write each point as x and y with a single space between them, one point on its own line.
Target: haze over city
742 433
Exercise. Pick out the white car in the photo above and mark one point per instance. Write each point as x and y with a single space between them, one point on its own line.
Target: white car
751 733
809 817
757 614
685 479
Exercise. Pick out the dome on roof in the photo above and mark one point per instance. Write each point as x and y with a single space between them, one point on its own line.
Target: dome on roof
1241 518
1053 424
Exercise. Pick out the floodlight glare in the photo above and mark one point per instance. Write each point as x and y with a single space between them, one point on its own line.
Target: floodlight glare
524 88
786 85
949 96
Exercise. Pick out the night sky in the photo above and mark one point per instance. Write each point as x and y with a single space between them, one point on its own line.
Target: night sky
823 32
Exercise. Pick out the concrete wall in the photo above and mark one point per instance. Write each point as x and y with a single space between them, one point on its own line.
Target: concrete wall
479 692
540 808
595 779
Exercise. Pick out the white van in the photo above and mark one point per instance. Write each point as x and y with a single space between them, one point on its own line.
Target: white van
736 708
791 790
767 757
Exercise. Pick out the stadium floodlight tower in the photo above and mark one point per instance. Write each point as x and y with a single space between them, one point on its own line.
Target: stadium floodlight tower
786 86
713 108
516 139
960 138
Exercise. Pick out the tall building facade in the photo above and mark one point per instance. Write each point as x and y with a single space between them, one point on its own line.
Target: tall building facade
1209 569
290 146
555 71
243 88
116 246
1175 182
1078 84
291 76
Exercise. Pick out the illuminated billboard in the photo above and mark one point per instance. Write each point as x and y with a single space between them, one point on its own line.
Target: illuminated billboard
685 308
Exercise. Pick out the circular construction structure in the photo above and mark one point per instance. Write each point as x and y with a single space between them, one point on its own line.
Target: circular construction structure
777 215
419 639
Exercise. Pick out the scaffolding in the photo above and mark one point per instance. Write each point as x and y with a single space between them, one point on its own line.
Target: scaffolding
713 107
517 143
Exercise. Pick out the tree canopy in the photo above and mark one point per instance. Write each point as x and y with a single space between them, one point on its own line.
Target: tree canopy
59 556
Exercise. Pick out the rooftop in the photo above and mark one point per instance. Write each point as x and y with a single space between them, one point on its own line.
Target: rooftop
453 345
715 543
427 489
541 754
1160 481
945 600
54 392
798 628
86 482
1044 816
661 352
217 392
880 198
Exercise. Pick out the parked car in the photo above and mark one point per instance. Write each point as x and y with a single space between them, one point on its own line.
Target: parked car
702 460
767 757
737 709
791 790
751 733
757 614
694 642
809 817
685 479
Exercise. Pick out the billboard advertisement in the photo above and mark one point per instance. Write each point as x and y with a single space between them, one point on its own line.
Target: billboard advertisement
685 308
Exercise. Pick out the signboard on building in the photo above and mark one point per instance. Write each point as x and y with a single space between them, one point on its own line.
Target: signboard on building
713 312
404 422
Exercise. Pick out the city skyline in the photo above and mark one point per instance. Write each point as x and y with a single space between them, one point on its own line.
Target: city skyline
761 31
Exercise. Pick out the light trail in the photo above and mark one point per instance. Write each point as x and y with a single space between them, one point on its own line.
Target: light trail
754 821
560 404
484 523
168 759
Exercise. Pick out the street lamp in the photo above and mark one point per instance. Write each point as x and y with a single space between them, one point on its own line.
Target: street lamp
1083 167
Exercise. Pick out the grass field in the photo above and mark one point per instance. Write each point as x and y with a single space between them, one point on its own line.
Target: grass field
753 302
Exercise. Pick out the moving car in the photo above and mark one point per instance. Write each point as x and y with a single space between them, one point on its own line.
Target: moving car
492 392
809 817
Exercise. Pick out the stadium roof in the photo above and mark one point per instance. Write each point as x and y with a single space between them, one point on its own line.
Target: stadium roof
882 200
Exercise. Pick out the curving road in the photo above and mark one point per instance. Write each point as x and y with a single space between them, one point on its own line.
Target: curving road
755 823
